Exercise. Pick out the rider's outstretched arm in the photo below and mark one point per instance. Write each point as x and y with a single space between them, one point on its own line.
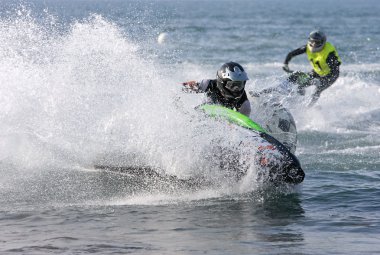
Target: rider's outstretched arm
296 52
197 87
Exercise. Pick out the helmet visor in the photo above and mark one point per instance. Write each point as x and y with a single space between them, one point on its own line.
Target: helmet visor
235 86
315 43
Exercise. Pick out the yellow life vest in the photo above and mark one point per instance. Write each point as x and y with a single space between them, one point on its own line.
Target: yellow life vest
318 59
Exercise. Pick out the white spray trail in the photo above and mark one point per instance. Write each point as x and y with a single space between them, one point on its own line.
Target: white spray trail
89 96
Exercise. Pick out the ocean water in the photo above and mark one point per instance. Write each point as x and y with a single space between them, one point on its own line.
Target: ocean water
97 82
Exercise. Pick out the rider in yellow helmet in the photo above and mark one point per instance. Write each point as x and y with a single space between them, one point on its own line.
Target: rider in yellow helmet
324 59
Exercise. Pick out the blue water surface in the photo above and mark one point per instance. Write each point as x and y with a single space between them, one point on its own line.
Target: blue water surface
52 115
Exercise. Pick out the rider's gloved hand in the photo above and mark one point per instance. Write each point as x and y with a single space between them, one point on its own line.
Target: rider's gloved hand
189 84
285 67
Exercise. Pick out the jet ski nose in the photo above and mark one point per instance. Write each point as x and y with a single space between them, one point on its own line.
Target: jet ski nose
294 174
290 173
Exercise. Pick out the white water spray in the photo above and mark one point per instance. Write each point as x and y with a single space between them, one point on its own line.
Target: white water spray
88 96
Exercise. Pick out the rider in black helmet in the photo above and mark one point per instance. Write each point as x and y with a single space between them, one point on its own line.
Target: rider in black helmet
324 59
228 89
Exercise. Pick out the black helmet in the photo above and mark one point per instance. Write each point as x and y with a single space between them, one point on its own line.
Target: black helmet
316 41
231 79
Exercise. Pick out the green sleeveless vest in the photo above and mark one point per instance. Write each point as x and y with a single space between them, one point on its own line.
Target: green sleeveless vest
318 59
